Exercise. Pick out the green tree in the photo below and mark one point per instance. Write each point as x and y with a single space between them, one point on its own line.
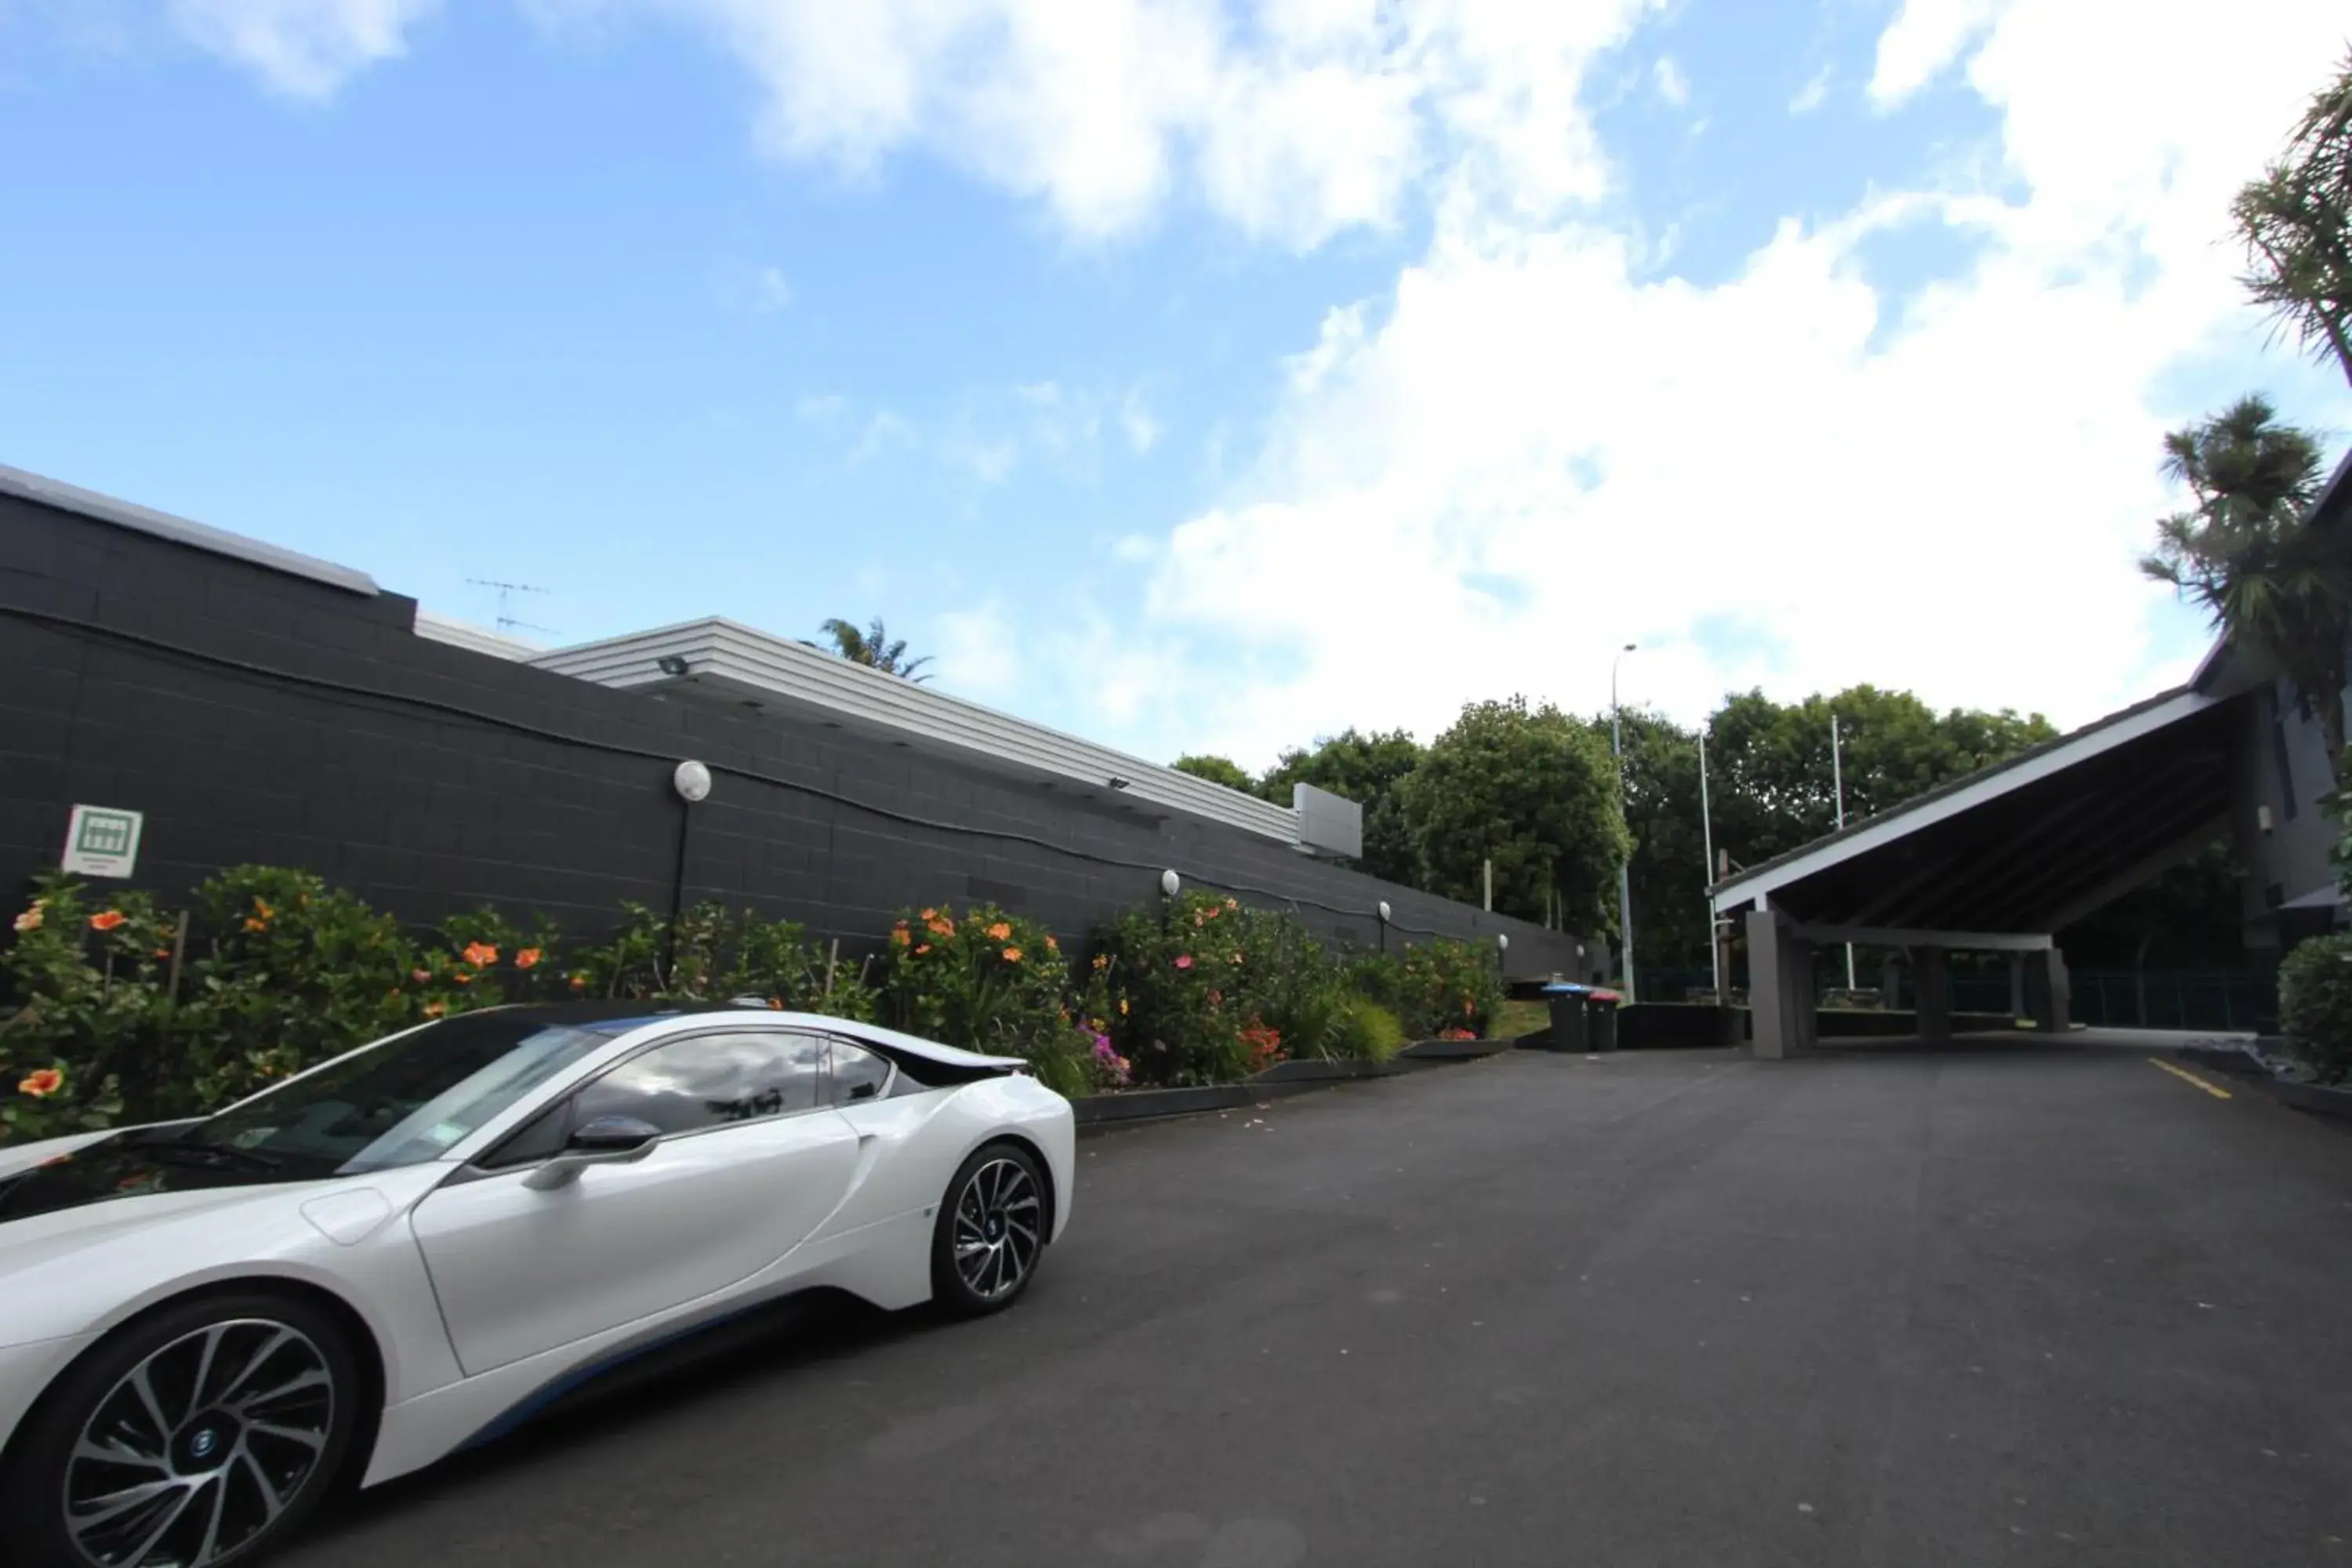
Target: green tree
1534 790
2293 221
1368 770
874 648
2189 918
1770 772
2275 585
1669 871
1216 770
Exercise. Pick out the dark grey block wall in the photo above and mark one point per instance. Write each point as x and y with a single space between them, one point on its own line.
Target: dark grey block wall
145 674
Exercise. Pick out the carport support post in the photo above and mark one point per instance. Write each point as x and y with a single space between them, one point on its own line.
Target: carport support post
1931 978
1780 985
2048 990
2017 985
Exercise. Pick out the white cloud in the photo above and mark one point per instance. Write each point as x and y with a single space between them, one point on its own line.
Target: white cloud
979 652
304 48
884 432
1143 429
823 408
1927 36
1944 491
1672 85
1813 94
1320 116
770 291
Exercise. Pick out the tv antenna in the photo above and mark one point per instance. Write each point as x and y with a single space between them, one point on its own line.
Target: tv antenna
507 621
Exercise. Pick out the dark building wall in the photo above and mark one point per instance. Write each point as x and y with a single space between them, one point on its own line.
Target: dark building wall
2282 764
152 675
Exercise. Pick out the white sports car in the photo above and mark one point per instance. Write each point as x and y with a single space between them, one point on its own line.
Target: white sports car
205 1325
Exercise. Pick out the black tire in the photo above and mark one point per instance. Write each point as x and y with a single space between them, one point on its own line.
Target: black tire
1000 1201
236 1375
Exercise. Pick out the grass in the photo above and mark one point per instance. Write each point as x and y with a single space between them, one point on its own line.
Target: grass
1515 1018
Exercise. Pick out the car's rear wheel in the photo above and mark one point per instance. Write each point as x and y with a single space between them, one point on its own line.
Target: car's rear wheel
195 1438
991 1232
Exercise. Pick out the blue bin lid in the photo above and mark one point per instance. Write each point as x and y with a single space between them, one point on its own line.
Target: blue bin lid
1559 988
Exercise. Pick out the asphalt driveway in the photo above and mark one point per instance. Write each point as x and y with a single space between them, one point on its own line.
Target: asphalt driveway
1990 1307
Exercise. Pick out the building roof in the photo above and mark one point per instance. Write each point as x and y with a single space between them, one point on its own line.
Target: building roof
723 662
740 667
180 530
2018 846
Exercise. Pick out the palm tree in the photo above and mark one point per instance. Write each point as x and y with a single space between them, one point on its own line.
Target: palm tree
873 649
2276 586
2294 223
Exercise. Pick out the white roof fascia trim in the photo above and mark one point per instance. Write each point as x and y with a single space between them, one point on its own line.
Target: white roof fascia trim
462 634
180 530
1745 889
725 650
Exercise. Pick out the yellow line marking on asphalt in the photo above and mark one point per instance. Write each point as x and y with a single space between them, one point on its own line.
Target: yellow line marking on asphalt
2185 1076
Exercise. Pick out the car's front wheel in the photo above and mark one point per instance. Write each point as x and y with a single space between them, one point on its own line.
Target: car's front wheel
992 1231
196 1436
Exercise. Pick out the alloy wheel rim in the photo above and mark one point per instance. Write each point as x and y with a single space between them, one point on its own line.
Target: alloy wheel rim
996 1233
200 1448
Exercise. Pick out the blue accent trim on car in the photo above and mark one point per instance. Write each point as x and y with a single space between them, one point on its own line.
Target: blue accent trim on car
547 1394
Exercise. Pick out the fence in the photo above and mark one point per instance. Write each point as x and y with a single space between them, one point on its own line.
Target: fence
2175 999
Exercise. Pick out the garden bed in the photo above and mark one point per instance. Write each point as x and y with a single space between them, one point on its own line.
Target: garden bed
2320 1099
1116 1107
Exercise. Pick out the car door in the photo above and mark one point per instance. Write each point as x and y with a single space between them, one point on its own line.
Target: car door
750 1160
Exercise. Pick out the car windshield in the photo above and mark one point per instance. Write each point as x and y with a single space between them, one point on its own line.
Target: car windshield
403 1100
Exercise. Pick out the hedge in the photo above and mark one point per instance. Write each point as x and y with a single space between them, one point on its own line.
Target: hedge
116 1010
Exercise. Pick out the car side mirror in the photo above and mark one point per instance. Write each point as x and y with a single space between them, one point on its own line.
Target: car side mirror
601 1141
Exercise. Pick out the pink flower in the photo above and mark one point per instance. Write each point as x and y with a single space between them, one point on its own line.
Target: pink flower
1184 961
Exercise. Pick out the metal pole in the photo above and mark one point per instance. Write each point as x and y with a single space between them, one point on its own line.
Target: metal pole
1706 839
1837 776
1624 872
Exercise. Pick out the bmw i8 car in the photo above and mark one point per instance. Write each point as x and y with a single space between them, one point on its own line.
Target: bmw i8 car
207 1325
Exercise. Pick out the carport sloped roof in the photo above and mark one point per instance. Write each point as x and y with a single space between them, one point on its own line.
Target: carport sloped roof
2130 784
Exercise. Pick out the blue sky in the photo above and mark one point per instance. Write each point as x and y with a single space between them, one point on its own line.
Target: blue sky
616 300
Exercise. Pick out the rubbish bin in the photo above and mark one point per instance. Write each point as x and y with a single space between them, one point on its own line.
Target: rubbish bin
1568 1015
1601 1020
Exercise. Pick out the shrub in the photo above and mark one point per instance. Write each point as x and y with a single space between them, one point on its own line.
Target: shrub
1438 986
1181 984
85 977
1449 984
2315 1005
1366 1031
989 981
718 956
285 973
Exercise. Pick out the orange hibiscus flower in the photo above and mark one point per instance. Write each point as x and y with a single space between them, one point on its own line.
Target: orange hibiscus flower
481 954
106 919
42 1083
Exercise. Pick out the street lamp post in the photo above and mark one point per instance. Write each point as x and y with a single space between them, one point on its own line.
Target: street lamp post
1706 845
1837 782
1625 870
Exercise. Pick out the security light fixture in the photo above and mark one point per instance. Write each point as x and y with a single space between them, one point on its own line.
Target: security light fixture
1119 784
671 664
692 781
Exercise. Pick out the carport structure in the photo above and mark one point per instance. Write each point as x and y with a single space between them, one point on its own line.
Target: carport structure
1998 861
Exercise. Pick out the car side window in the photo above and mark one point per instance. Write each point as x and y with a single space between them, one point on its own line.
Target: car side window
539 1138
711 1080
857 1074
